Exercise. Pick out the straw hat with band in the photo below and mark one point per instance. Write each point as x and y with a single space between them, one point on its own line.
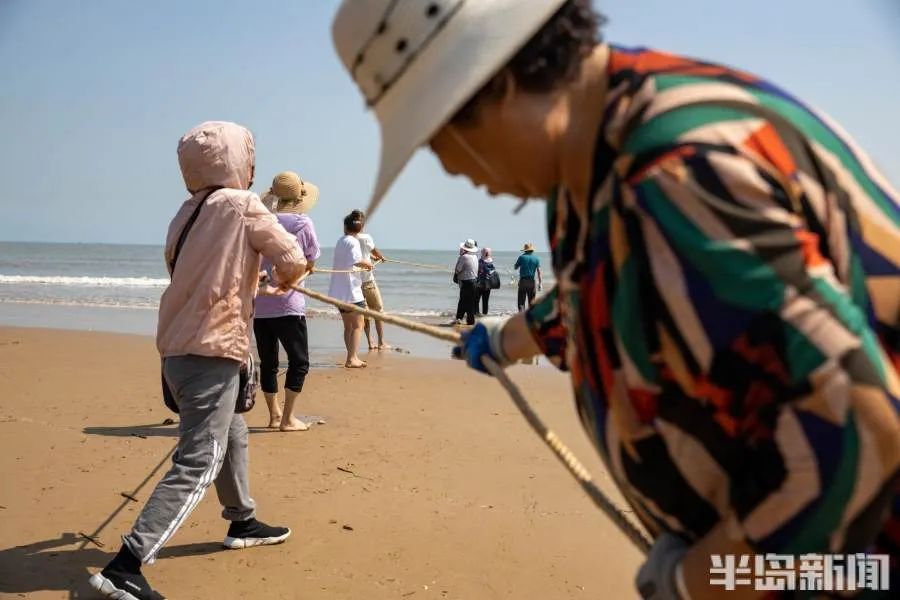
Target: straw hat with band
294 194
529 247
417 62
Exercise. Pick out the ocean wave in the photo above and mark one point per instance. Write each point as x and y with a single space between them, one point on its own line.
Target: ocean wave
137 304
84 281
313 311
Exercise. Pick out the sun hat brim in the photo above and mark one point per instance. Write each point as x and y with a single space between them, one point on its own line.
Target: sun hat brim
473 45
306 204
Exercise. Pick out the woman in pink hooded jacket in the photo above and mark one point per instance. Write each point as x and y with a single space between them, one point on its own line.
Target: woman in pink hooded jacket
203 337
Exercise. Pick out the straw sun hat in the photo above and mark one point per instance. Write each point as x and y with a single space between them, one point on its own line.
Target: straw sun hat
529 247
294 194
417 62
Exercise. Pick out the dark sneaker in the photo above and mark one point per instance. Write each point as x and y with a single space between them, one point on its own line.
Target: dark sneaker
119 585
249 533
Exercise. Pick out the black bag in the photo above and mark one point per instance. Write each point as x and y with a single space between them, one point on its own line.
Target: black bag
489 278
248 382
493 280
249 375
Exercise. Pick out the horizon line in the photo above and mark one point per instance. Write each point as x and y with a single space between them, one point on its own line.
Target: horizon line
57 243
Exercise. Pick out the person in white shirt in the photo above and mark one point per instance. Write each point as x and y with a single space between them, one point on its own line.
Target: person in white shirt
347 287
370 290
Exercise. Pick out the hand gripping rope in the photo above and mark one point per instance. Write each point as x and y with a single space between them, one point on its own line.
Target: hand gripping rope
562 452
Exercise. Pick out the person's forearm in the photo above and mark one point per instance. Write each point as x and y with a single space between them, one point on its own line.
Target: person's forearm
518 343
287 272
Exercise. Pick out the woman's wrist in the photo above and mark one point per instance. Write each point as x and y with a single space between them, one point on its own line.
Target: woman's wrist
516 340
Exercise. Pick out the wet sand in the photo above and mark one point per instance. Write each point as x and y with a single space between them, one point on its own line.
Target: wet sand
424 482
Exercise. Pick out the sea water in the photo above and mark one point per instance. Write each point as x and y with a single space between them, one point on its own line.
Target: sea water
115 287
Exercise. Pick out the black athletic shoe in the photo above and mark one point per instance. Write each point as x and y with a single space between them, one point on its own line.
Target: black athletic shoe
249 533
119 585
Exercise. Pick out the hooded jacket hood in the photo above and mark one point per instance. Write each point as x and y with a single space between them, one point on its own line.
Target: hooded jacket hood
216 153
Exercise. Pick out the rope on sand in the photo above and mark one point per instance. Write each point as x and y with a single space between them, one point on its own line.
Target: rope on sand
420 265
562 452
128 498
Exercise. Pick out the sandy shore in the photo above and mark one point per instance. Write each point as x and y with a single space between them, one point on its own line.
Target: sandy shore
450 495
324 328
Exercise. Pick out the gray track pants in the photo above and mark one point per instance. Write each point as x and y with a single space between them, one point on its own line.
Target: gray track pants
212 446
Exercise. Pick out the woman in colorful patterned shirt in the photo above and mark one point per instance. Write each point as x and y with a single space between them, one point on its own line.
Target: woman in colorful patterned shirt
727 259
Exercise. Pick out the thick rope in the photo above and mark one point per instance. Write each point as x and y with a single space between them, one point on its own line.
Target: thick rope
562 452
128 498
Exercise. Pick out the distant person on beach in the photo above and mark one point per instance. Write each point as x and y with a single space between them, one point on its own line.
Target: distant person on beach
203 338
486 275
370 290
529 267
466 275
280 317
726 257
347 286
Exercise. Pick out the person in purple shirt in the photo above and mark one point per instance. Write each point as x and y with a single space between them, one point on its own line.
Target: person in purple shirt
281 317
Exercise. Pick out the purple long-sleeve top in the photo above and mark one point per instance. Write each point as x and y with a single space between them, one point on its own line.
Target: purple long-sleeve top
292 303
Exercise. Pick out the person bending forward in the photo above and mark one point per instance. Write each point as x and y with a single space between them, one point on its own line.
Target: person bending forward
727 264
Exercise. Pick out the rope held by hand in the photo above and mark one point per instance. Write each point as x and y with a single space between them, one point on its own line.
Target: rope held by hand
562 452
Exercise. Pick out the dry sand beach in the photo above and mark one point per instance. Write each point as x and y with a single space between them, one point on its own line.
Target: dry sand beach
424 483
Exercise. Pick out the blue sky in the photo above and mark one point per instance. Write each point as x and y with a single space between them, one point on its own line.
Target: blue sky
95 95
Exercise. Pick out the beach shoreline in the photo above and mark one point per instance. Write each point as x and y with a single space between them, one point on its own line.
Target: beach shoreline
325 330
444 490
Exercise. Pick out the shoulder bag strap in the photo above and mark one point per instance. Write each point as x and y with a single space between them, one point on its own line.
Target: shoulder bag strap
187 227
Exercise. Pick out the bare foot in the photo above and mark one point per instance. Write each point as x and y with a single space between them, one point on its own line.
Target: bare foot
294 424
355 364
372 347
383 346
274 421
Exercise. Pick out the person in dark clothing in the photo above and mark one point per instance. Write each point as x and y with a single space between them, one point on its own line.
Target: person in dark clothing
529 267
466 275
485 268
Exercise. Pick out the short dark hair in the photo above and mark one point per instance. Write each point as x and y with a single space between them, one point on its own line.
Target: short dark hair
353 223
552 56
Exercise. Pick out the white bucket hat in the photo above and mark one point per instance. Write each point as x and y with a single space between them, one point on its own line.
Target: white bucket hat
469 246
417 62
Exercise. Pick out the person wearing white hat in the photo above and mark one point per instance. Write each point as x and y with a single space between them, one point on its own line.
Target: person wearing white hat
466 276
728 285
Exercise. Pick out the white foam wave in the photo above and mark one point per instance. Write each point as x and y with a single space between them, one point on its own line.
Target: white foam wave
62 280
145 305
142 305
